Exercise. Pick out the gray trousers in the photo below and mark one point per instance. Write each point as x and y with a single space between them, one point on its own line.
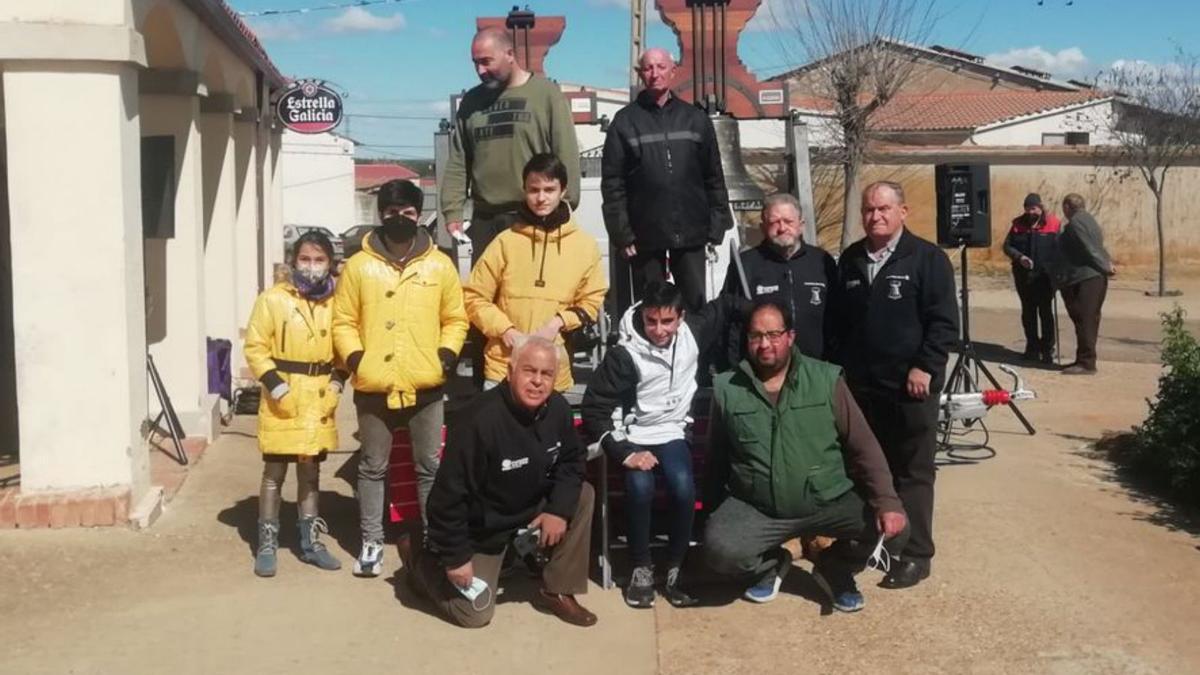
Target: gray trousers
741 541
565 573
376 423
308 478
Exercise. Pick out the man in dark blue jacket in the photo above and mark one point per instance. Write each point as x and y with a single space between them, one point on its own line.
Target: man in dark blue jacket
662 184
896 319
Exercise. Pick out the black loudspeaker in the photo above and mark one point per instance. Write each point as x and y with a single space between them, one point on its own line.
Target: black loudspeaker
963 203
158 187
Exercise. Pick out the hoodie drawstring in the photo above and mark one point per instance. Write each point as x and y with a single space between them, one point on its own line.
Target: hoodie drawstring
541 280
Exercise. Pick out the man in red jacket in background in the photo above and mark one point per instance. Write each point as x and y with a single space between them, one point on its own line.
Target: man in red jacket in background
1032 244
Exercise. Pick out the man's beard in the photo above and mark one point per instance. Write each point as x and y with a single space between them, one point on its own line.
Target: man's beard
792 243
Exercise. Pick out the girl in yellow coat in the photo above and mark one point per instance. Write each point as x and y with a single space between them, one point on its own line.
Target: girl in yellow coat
290 350
540 277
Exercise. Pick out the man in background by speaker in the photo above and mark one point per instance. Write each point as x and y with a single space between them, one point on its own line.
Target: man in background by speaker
895 320
1031 244
1082 277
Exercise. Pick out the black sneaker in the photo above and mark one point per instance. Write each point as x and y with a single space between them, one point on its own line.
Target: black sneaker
674 594
640 591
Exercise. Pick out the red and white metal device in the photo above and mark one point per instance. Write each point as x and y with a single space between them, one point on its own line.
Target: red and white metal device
973 405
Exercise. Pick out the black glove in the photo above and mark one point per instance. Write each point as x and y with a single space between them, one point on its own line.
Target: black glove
448 359
353 360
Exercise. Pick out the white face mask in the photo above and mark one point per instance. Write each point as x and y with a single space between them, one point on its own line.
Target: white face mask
880 559
312 273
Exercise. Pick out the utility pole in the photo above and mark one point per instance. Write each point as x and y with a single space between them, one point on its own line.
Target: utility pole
637 42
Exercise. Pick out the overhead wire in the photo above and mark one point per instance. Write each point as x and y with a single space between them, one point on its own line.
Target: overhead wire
318 8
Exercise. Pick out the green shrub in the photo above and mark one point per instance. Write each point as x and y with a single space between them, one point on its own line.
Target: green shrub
1165 449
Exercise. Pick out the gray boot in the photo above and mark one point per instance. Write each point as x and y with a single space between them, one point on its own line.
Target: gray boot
312 551
268 543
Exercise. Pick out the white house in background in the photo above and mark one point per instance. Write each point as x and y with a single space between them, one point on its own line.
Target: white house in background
317 180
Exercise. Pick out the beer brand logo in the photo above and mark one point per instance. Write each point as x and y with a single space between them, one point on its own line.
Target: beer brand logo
309 107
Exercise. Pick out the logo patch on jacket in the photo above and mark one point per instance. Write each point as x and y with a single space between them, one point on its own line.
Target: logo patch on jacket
510 464
763 290
815 288
894 289
853 283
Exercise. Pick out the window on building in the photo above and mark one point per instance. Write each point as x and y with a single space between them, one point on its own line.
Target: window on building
1067 138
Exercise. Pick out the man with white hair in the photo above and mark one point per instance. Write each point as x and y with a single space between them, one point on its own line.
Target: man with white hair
783 268
513 468
662 184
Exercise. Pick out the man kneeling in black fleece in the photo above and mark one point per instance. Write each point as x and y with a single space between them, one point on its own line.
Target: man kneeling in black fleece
512 462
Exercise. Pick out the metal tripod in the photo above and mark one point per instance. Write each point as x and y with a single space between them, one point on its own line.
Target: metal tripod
964 376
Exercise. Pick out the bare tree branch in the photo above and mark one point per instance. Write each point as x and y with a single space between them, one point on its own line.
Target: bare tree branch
1155 123
856 60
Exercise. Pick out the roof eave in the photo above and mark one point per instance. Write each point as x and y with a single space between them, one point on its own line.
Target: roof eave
215 15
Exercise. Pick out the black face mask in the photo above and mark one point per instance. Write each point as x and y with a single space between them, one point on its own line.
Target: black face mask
399 228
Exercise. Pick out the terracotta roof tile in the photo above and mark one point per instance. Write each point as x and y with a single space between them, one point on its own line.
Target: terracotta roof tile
957 110
367 176
971 110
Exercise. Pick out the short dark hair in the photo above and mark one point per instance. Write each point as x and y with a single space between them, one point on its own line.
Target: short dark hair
548 165
662 295
399 193
316 238
768 304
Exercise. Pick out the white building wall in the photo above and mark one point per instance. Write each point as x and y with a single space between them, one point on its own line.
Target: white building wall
1028 131
317 176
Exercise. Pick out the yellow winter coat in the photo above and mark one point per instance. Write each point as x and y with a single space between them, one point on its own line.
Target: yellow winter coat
528 275
285 325
398 313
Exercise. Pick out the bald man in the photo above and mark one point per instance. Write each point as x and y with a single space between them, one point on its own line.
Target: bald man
513 464
663 187
508 118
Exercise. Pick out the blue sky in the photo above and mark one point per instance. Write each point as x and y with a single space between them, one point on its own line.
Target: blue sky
406 59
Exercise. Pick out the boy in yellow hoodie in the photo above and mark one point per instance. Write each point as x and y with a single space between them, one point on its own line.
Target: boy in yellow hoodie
540 277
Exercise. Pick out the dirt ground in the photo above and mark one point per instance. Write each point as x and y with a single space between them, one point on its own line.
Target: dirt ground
1047 563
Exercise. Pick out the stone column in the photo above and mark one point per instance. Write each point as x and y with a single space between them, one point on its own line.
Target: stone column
175 269
76 229
245 264
220 220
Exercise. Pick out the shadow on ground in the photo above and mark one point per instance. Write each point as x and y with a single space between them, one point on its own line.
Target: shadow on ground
1165 513
339 512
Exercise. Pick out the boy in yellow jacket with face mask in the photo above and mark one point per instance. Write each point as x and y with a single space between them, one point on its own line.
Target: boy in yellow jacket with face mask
542 276
290 350
399 323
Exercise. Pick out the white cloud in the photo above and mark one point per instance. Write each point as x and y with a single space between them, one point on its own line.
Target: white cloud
1068 62
277 29
357 19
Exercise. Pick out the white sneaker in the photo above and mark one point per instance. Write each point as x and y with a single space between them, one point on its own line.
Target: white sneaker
370 560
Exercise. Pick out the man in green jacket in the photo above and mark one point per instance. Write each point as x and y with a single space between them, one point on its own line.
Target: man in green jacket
789 455
1082 278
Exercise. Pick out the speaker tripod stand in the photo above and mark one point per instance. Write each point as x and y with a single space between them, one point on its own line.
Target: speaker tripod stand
964 376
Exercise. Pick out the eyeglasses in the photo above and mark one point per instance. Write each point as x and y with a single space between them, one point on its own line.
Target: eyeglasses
770 336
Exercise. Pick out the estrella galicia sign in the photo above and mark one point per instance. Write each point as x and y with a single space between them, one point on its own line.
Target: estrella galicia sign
309 107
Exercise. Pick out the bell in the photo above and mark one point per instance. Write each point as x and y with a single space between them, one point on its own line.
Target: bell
744 193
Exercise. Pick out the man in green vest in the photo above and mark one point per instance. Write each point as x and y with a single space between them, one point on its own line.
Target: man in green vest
789 456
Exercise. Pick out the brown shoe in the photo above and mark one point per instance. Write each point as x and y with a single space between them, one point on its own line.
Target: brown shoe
565 607
1077 369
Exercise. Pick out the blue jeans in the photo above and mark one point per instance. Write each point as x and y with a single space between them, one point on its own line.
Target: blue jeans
675 464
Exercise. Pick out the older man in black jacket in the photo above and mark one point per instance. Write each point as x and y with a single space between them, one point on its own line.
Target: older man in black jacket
662 184
896 319
513 464
784 268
